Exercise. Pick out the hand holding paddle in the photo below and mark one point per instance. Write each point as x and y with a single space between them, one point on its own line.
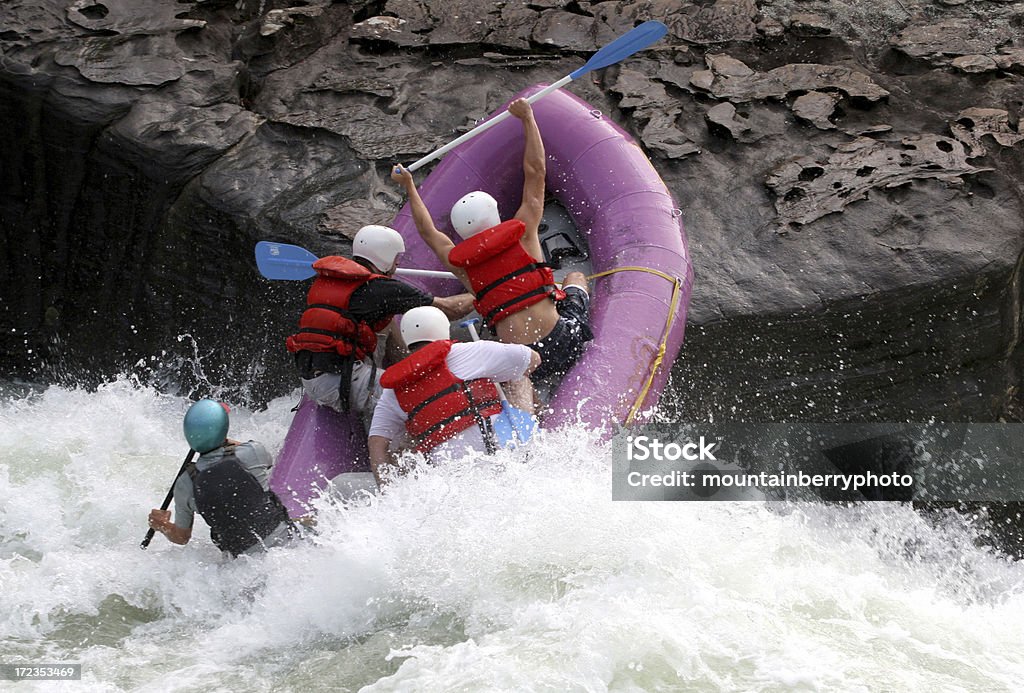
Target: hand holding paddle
621 48
512 427
170 496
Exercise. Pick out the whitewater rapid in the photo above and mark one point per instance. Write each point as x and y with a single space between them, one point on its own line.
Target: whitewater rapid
515 574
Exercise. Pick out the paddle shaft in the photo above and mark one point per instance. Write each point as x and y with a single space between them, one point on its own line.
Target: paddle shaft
486 125
511 425
410 272
170 496
476 338
636 39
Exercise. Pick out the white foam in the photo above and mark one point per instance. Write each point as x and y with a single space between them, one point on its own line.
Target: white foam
481 574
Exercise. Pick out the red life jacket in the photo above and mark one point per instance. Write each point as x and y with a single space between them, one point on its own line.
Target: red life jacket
504 277
439 405
326 325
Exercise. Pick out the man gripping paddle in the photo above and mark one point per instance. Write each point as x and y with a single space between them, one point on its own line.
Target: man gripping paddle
502 263
228 486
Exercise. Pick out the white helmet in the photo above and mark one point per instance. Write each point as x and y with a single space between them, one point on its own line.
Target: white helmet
378 244
474 213
425 324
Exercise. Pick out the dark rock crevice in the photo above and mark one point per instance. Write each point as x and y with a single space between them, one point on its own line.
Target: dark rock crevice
943 353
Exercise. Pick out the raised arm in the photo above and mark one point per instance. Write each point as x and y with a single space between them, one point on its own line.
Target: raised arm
534 169
435 240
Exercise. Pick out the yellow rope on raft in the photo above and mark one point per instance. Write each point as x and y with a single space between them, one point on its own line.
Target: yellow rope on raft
677 286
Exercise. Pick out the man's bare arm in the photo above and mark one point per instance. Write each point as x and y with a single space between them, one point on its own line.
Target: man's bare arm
455 307
382 462
531 209
435 240
160 520
520 392
534 363
394 349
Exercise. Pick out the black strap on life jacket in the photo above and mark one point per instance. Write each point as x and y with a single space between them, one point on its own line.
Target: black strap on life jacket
337 335
240 513
546 289
474 409
343 312
525 269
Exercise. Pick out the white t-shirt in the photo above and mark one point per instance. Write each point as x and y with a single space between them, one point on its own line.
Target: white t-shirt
494 360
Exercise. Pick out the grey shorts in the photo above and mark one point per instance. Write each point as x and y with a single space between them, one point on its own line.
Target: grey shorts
562 347
284 534
364 393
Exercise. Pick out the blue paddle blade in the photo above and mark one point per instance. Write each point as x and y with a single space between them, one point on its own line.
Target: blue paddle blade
284 261
626 45
513 427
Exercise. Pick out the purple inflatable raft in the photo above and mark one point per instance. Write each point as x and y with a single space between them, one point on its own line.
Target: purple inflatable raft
611 216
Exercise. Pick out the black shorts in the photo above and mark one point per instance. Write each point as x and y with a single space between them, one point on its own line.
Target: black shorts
563 346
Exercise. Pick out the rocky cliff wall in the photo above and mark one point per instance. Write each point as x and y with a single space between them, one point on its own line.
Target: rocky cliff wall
850 176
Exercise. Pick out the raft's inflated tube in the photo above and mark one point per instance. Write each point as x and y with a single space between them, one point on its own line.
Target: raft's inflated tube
321 444
621 206
637 245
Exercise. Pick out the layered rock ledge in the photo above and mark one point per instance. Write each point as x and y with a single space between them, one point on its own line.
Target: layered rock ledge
850 178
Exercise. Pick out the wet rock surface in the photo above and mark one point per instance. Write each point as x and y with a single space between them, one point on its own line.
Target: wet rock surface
807 189
850 178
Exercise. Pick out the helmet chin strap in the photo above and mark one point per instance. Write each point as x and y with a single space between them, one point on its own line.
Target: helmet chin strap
374 268
368 264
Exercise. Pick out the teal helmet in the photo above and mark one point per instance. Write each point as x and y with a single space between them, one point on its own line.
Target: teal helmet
206 425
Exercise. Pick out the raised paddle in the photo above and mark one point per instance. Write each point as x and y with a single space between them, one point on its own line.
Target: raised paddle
284 261
512 426
634 40
169 498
